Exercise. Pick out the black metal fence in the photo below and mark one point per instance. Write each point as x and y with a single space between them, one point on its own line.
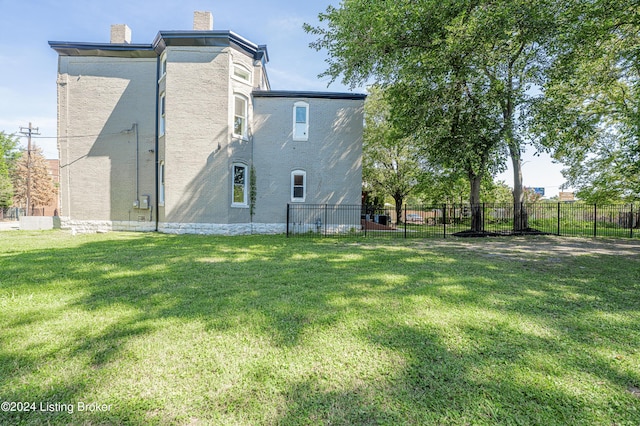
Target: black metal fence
11 213
445 220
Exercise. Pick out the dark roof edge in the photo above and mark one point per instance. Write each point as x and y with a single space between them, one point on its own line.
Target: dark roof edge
211 38
305 94
65 48
163 39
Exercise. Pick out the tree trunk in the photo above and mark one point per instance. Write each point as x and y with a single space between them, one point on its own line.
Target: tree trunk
474 201
520 218
519 214
398 199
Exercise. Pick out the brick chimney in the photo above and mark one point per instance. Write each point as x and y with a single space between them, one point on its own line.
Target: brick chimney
120 34
202 21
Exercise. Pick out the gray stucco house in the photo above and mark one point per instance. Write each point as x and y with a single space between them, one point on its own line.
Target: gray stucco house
177 135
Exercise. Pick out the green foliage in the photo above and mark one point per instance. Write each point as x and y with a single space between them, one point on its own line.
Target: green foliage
8 155
589 117
461 76
264 330
6 189
496 192
458 72
391 163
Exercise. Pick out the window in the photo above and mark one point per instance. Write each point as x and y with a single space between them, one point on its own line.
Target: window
239 196
300 121
163 65
241 73
240 117
162 123
161 183
298 185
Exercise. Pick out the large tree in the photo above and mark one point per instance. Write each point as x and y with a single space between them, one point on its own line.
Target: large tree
514 55
468 64
436 93
33 184
589 117
391 164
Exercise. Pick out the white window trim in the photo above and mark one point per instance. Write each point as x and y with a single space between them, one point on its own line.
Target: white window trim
162 112
244 68
304 137
245 203
163 66
245 129
161 183
304 186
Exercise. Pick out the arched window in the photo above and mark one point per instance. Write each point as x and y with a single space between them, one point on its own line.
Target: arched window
242 73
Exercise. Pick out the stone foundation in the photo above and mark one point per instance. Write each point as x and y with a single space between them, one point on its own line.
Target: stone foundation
221 228
93 226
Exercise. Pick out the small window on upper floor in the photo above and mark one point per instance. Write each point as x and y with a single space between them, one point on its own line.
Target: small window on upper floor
240 72
300 121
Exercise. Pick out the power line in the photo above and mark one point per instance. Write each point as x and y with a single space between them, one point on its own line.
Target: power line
75 136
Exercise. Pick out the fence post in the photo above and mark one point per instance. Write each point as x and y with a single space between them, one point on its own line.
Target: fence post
325 220
444 220
558 218
405 221
365 220
483 217
288 205
595 220
631 223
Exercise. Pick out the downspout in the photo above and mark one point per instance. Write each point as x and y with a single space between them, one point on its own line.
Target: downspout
157 142
252 171
135 128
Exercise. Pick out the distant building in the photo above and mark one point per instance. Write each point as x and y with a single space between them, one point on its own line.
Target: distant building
185 135
53 209
566 196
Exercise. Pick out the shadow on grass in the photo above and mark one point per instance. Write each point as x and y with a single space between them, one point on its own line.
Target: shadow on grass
478 340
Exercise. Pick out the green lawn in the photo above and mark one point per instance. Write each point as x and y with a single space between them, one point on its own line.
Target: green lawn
267 330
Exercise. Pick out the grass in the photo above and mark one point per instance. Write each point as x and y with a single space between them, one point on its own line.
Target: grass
258 330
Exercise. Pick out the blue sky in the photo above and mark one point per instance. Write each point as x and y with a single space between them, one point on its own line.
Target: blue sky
28 67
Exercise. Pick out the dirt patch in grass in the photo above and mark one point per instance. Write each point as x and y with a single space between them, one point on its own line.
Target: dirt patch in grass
547 246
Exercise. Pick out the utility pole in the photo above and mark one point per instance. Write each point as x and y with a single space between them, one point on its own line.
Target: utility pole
29 131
